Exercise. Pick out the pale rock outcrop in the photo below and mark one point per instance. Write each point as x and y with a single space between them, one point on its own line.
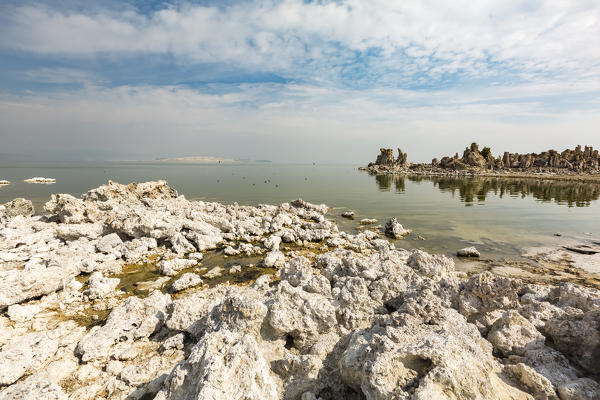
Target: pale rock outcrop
274 258
213 273
394 229
22 313
108 243
74 231
486 292
134 191
189 314
302 315
71 210
35 280
439 357
513 334
137 249
30 352
538 385
227 362
100 286
133 319
181 245
468 252
578 336
16 207
35 390
272 243
186 281
173 266
223 365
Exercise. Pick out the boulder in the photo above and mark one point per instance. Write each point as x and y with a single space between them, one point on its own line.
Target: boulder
223 365
172 267
100 287
186 281
468 252
513 334
133 319
18 206
71 210
394 229
302 315
108 243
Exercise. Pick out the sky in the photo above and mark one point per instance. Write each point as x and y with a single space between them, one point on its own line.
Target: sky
296 81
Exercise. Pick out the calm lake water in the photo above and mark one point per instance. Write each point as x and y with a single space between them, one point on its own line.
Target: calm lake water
499 216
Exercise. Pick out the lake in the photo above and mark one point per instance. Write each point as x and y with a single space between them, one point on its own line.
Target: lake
499 216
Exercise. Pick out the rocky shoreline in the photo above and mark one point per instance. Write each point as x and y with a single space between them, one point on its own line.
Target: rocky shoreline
574 165
134 292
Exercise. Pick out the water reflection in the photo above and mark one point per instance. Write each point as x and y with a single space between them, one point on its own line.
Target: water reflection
384 182
477 189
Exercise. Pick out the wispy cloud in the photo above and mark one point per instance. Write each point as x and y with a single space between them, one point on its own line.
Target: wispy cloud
402 43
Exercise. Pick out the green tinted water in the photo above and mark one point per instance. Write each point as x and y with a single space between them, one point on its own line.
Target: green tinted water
499 216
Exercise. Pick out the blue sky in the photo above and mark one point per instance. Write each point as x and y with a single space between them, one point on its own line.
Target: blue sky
296 80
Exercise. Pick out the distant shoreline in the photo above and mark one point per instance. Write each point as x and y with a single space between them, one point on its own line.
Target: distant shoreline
197 160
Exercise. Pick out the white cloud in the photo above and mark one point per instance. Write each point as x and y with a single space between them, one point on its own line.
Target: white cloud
540 38
291 123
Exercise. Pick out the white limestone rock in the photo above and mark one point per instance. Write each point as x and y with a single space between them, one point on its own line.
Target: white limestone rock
100 286
19 206
172 267
133 319
487 292
513 334
468 252
186 281
223 365
213 273
22 313
272 243
274 259
28 353
395 230
580 389
181 245
71 210
300 314
108 243
536 384
34 390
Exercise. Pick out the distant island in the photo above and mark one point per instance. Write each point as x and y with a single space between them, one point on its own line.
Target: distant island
570 164
197 160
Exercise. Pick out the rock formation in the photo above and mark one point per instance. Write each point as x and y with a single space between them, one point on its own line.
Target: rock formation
88 309
474 159
386 159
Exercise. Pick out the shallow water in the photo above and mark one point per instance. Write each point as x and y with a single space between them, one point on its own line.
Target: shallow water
500 216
